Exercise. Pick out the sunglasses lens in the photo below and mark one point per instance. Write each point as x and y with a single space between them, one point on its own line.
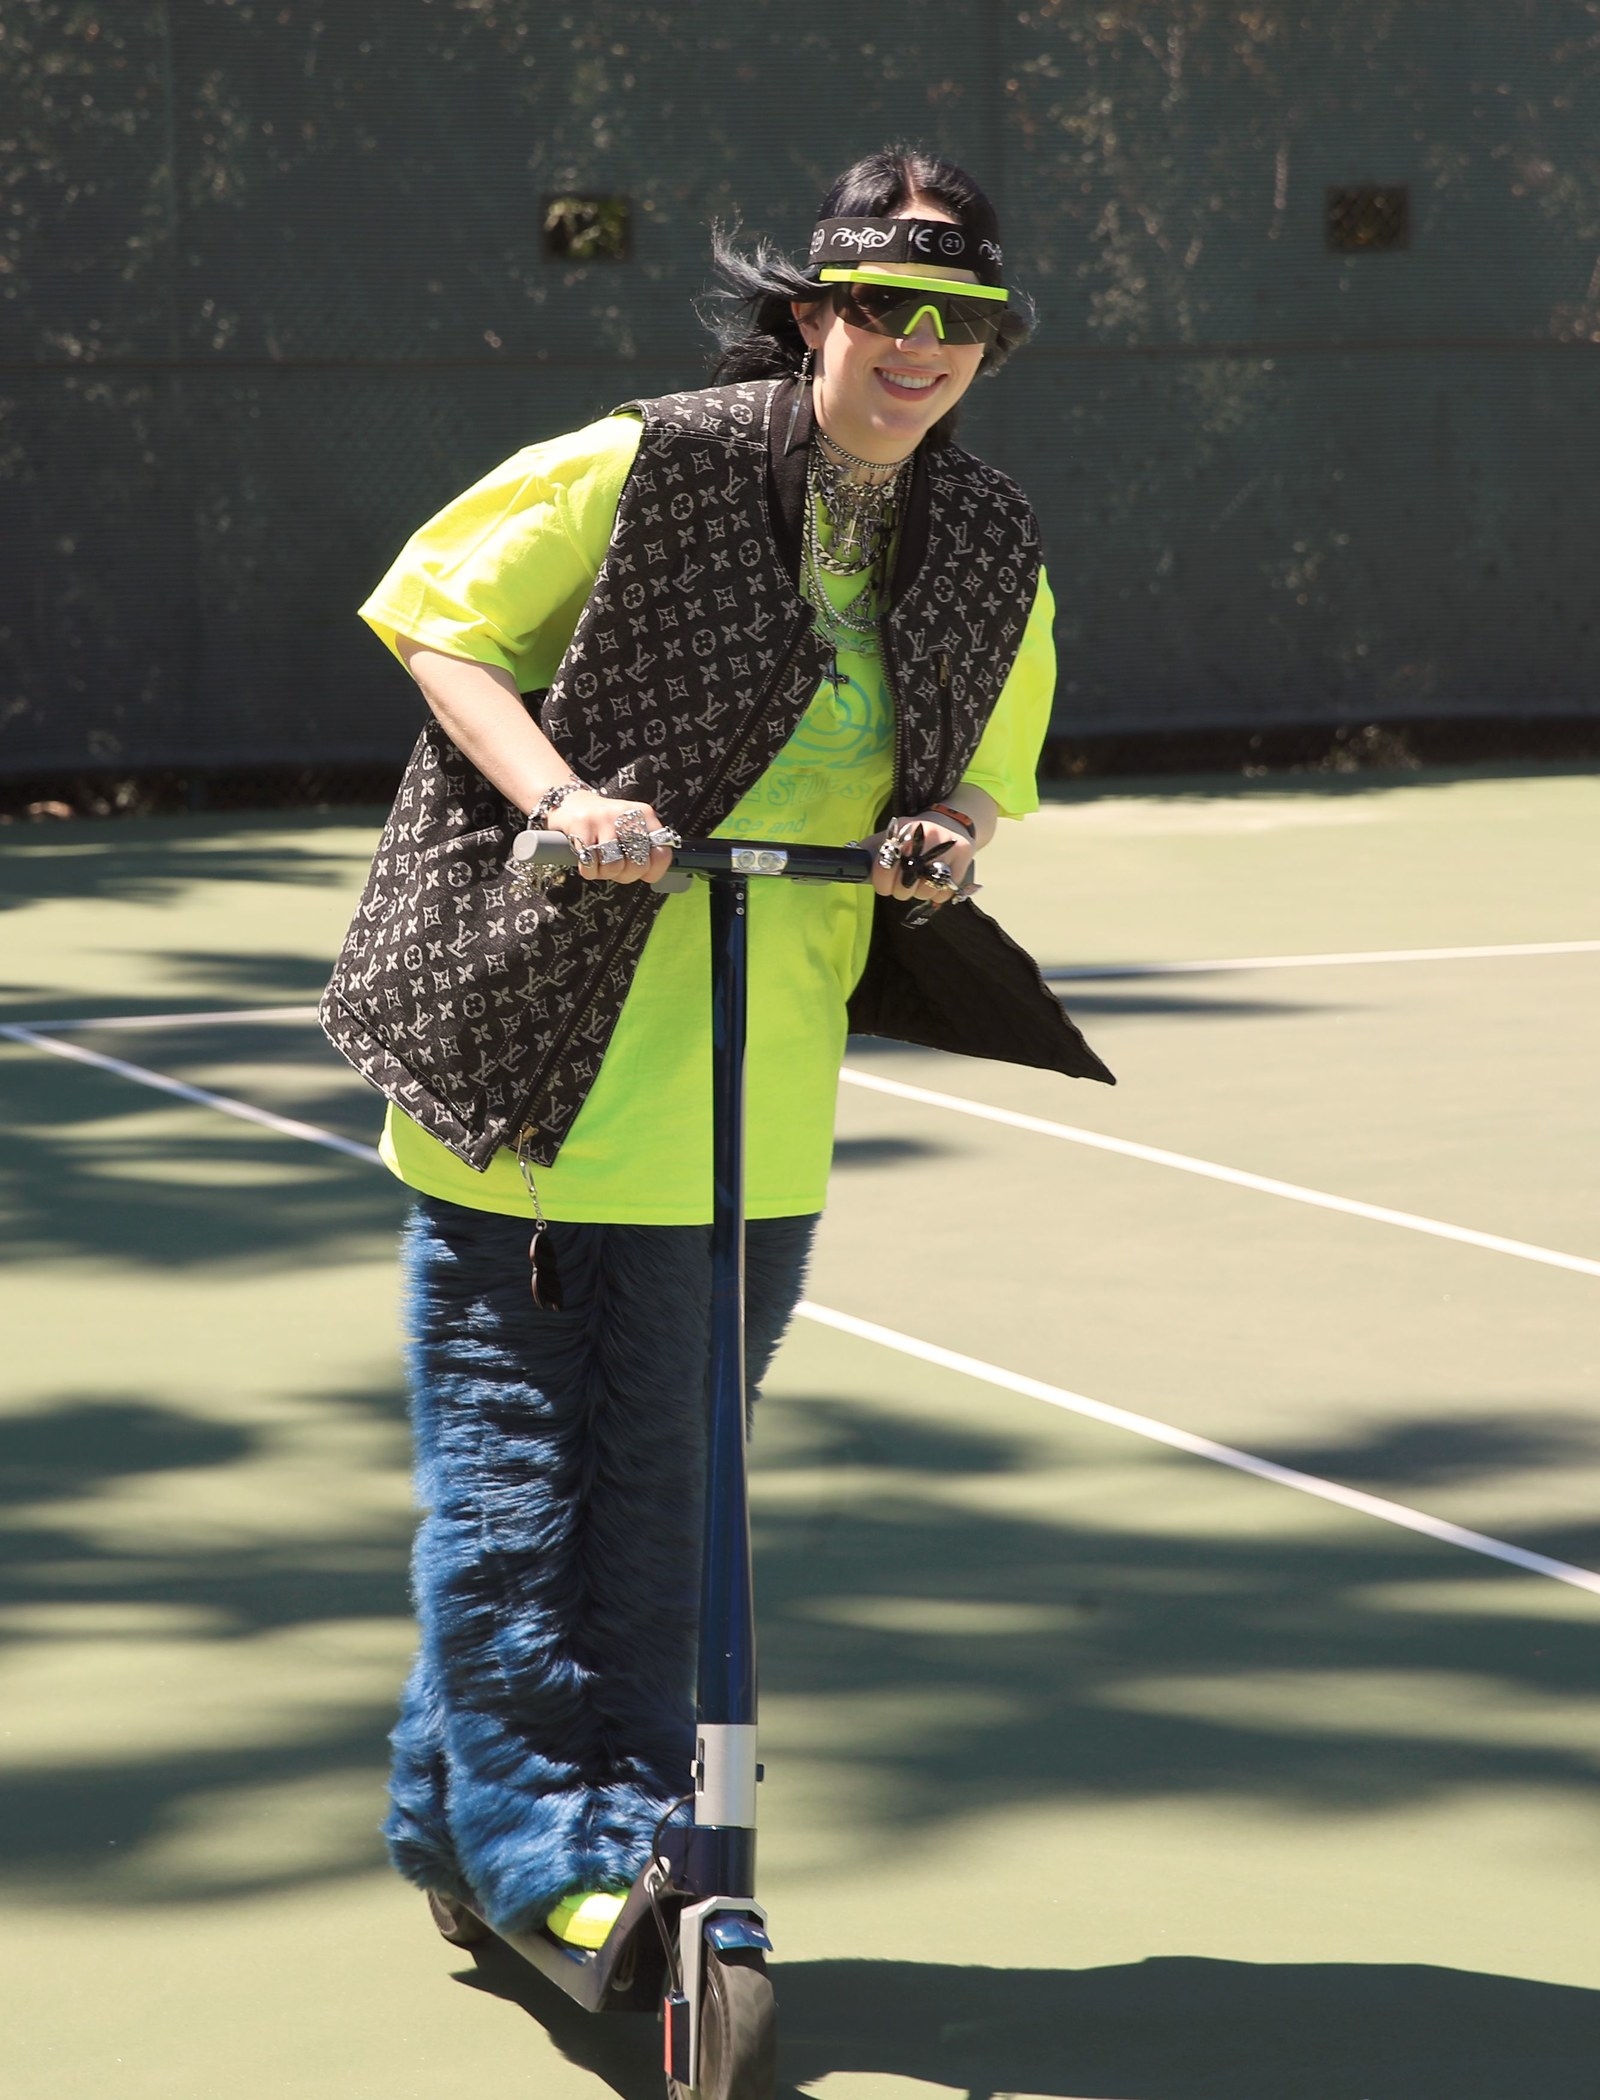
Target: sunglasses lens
878 307
887 310
968 321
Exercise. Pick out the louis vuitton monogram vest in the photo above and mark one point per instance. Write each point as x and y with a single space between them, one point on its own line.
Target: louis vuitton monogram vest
485 1017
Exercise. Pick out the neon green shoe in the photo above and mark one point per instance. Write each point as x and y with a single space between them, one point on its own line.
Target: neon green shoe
585 1920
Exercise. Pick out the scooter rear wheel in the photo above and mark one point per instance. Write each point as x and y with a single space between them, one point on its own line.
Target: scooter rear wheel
738 2030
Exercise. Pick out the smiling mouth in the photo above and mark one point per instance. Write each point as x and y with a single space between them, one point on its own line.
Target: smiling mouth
910 382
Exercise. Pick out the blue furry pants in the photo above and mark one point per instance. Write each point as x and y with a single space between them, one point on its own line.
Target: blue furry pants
549 1718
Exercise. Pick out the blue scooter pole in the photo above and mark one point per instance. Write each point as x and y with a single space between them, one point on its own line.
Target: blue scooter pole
722 1853
720 1921
718 2007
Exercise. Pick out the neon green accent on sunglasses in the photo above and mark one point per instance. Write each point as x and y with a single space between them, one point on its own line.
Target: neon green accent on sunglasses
953 287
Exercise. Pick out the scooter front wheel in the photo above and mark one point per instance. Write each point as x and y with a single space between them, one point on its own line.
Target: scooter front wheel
738 2030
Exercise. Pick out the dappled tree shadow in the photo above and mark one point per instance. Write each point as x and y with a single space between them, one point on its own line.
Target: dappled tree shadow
80 1443
1448 1449
1152 2030
88 1174
1035 1641
221 978
89 1821
158 860
1058 1626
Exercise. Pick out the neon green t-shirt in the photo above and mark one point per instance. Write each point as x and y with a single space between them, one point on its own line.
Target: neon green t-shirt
500 576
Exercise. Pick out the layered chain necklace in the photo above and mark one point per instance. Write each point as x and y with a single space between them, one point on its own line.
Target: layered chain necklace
863 513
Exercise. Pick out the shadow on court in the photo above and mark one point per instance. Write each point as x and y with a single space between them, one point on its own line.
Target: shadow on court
96 1166
158 860
182 980
1155 2030
1063 1660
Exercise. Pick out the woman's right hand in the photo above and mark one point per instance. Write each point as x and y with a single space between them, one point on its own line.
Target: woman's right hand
591 820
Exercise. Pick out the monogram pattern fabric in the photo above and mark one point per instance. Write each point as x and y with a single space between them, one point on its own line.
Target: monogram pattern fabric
482 1015
953 636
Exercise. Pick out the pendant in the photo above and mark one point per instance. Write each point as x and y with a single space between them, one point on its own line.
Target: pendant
545 1277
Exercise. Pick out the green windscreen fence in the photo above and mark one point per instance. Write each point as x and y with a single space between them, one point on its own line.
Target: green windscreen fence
1310 419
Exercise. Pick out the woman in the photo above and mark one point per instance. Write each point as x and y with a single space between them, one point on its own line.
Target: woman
785 607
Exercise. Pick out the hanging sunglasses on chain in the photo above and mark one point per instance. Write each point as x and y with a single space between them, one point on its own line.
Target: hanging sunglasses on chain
894 306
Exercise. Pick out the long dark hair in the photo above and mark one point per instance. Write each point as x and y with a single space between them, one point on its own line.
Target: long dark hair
749 312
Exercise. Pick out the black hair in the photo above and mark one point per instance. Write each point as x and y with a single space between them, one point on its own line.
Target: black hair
749 312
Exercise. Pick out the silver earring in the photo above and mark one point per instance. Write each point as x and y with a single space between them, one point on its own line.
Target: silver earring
802 381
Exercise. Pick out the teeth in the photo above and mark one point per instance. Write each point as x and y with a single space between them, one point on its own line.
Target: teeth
905 379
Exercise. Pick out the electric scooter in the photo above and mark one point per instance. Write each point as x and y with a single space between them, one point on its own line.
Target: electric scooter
691 1936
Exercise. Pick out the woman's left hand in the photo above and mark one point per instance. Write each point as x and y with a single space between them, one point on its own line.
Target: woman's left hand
943 848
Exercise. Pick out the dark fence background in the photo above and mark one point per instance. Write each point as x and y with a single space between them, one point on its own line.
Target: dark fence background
271 288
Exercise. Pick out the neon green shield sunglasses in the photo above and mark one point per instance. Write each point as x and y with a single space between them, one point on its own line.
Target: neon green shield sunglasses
894 306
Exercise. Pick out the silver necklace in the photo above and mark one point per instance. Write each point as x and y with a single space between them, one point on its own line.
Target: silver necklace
863 515
862 511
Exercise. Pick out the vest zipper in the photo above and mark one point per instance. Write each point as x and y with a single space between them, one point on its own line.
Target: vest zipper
891 680
942 754
635 904
946 728
736 748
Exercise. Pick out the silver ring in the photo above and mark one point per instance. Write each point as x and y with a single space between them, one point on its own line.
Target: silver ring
665 836
940 876
582 853
889 853
633 836
609 853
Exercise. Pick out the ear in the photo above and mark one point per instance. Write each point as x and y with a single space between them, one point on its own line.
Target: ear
808 318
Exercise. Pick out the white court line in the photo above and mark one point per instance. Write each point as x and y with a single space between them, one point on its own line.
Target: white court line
929 1352
287 1126
1088 973
1378 1506
1262 1184
1068 973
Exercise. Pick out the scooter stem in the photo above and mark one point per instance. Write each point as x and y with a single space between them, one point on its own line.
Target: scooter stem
725 1772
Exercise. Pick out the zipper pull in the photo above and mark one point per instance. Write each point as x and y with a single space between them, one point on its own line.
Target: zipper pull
944 669
544 1277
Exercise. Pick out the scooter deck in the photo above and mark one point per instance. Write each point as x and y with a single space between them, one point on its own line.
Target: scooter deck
626 1974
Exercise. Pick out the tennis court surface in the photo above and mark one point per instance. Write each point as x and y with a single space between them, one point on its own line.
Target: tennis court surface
1178 1510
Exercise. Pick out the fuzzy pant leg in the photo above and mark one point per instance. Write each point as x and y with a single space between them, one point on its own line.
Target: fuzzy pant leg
549 1718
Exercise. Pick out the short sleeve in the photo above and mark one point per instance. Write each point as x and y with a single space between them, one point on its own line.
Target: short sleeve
501 574
1006 762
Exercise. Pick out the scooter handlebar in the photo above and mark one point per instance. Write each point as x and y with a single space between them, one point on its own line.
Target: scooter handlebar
553 849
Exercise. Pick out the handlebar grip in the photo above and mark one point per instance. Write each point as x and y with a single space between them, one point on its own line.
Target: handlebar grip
546 849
